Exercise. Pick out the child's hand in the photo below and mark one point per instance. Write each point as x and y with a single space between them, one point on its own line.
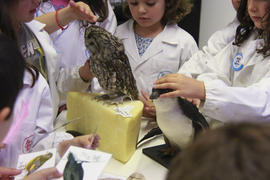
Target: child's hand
44 174
195 102
149 109
7 173
182 85
87 141
85 72
82 11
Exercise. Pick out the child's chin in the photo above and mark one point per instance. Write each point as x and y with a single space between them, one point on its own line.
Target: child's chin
2 145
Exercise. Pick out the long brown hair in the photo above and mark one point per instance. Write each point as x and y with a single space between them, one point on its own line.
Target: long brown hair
6 27
246 27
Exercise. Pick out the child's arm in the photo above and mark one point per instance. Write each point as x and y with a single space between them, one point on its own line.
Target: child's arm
182 85
76 11
6 173
149 109
88 141
45 174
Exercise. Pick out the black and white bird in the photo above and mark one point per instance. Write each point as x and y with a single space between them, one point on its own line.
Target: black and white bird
109 63
178 119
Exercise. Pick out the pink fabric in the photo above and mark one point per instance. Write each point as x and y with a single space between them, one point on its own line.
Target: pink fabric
19 117
60 3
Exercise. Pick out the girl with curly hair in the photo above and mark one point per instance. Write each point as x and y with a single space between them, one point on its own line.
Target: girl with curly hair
233 84
154 44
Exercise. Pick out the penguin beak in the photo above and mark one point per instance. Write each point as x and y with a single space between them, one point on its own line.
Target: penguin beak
155 94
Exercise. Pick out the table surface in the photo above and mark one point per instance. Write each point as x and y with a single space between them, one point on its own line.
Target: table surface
139 162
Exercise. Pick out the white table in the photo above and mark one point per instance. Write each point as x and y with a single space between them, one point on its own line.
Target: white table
139 162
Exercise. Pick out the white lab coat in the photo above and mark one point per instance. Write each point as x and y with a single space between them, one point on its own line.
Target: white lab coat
69 43
167 52
60 80
215 44
32 118
242 95
221 38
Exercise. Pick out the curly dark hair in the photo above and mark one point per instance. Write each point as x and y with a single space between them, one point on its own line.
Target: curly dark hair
246 27
234 151
175 10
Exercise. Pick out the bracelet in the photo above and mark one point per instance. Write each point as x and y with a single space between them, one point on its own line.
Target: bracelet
57 21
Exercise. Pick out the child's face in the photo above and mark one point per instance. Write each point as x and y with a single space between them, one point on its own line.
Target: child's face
147 12
258 12
25 10
236 4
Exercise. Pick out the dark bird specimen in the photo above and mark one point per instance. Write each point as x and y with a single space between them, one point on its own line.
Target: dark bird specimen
109 63
178 119
73 170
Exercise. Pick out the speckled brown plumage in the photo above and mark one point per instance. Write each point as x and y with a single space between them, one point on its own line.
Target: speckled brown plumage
109 63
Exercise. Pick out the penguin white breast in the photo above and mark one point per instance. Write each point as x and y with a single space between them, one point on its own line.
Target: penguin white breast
172 122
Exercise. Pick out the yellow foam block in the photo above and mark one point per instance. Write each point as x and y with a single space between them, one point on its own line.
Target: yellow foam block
118 133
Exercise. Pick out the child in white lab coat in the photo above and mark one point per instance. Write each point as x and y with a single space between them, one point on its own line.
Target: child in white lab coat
235 83
12 68
37 105
153 42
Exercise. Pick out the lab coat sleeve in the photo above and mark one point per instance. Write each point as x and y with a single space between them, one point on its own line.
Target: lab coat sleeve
187 54
200 62
235 104
221 38
44 119
70 80
110 23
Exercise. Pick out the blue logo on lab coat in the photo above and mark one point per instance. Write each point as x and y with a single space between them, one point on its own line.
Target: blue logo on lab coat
237 64
163 73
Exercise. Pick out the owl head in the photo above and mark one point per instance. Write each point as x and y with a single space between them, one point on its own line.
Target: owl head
99 41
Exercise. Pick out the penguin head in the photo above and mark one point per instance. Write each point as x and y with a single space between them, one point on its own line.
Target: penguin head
157 92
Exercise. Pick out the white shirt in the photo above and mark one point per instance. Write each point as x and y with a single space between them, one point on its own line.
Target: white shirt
167 52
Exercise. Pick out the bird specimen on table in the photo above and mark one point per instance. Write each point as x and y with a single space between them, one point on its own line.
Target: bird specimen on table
73 170
178 119
37 162
110 65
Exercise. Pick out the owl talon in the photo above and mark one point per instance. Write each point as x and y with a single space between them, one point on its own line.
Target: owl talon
112 99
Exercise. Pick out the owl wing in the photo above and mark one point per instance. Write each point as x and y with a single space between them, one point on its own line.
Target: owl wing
124 76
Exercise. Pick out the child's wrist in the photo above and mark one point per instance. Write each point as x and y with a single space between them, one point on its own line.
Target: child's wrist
202 91
64 16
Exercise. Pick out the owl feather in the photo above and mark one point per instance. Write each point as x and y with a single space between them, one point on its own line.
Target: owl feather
109 63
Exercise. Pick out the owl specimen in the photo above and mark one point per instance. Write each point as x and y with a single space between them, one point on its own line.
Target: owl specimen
109 63
178 119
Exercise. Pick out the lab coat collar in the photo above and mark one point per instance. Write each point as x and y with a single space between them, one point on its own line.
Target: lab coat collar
36 26
27 78
159 43
156 47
